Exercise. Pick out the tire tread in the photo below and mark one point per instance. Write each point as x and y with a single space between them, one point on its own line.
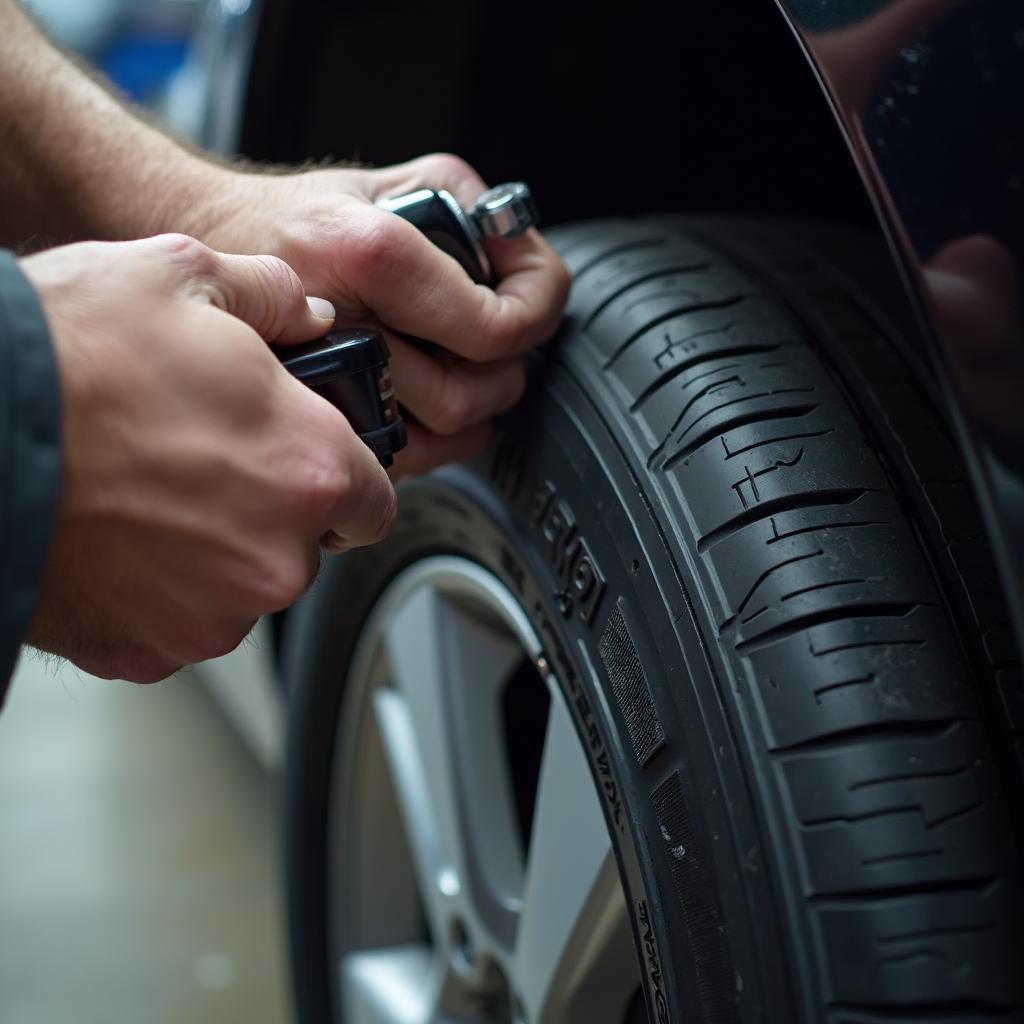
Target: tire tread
835 623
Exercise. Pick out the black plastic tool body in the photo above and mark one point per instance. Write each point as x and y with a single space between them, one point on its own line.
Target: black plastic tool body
434 213
350 369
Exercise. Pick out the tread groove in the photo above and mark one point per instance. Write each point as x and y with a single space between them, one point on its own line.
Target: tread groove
693 307
864 643
641 243
872 731
949 773
775 440
844 897
750 419
829 526
643 279
689 364
966 929
879 610
953 815
777 506
824 586
912 956
845 684
895 858
768 572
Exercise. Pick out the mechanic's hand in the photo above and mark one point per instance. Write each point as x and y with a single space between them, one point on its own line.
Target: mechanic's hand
380 271
198 474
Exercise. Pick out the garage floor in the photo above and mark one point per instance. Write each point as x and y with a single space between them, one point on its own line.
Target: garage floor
138 858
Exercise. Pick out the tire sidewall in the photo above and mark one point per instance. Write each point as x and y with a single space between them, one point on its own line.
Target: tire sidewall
553 511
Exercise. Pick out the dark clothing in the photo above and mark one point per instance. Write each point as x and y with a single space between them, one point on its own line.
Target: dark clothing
29 455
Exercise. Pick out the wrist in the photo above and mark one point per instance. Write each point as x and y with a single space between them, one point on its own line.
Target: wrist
178 191
223 207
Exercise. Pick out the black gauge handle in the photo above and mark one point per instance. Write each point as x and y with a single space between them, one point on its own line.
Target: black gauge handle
350 367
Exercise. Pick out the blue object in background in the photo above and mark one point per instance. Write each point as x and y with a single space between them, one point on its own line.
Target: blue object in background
141 64
139 44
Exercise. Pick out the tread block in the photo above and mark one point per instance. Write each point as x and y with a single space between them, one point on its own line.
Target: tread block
588 244
685 342
938 947
858 673
732 479
653 301
898 811
766 583
603 280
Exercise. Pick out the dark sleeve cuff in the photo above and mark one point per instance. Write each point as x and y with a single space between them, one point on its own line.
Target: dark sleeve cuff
29 456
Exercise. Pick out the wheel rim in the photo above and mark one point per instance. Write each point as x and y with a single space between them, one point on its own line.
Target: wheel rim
472 875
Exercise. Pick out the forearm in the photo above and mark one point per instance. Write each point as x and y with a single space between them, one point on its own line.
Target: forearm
74 162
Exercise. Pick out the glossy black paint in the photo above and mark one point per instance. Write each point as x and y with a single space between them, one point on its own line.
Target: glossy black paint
929 96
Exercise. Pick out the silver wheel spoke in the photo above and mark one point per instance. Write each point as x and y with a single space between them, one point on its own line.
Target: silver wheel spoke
574 957
441 729
436 877
447 705
388 986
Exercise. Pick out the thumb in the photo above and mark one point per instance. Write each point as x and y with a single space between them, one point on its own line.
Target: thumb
267 294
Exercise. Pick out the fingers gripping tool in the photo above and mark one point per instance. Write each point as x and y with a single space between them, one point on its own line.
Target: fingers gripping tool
349 367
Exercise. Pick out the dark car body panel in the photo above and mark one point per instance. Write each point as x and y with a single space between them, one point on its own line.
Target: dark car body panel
928 94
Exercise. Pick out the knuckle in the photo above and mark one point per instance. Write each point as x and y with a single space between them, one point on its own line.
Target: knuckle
319 478
197 258
375 240
447 167
324 484
501 337
273 584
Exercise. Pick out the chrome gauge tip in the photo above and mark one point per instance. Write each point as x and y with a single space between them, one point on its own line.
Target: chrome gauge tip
505 211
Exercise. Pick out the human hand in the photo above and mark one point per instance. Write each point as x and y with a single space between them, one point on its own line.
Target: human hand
380 271
197 473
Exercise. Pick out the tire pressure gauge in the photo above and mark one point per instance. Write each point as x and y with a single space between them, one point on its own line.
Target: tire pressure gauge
350 367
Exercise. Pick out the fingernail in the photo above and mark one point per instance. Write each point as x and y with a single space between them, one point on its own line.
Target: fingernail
320 307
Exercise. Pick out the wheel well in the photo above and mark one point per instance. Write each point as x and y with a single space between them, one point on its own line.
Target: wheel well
695 107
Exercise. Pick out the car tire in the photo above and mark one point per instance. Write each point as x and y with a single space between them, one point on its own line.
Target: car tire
732 513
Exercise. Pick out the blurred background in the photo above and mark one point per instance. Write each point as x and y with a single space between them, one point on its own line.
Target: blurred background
141 45
139 876
139 841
